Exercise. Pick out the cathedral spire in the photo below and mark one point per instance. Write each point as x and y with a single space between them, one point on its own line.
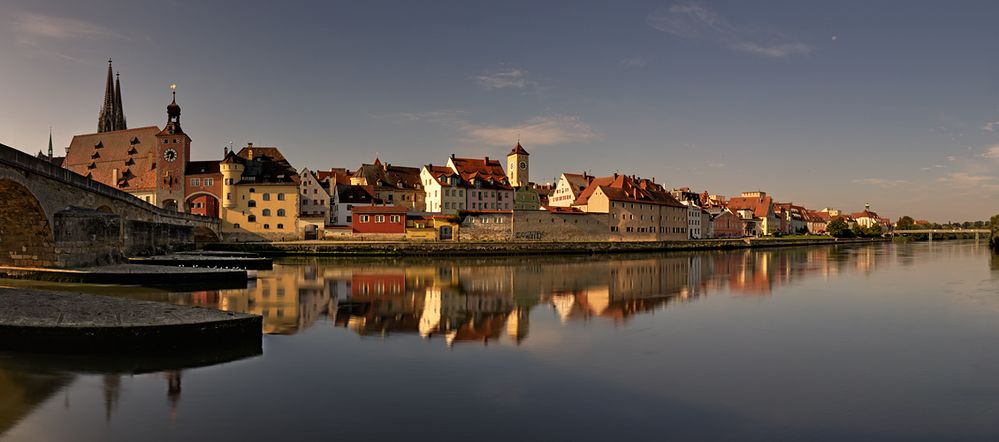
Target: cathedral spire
105 121
50 143
119 111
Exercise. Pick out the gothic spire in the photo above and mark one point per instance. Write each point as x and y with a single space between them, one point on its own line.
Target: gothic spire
119 111
50 143
106 119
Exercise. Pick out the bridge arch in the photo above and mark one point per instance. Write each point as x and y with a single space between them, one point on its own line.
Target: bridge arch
202 203
26 237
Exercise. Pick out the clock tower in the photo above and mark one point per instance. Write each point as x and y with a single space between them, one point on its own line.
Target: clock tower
518 166
173 151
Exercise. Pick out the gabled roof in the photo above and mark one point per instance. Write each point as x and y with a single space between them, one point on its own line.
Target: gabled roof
864 214
389 175
441 174
762 206
131 151
624 188
577 181
486 172
355 194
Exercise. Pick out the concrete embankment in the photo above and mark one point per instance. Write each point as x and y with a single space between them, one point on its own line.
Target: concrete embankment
134 274
43 321
443 248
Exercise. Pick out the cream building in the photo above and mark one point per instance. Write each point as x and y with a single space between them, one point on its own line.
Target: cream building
259 195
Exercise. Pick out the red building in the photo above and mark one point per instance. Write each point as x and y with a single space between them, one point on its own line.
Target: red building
379 220
204 188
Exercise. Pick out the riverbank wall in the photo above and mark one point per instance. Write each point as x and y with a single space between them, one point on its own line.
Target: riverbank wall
484 248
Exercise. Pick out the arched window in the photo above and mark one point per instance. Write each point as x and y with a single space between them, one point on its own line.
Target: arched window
280 212
252 190
267 212
267 197
251 219
280 197
280 226
267 226
251 203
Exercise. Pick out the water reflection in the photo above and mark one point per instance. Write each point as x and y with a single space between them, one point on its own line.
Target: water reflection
482 300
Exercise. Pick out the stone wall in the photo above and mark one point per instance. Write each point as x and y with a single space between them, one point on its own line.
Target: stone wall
541 225
487 227
86 237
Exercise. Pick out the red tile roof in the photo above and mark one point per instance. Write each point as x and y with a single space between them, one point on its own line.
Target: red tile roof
628 189
488 172
761 206
379 209
131 151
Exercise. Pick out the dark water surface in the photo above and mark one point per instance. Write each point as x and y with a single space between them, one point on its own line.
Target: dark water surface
880 342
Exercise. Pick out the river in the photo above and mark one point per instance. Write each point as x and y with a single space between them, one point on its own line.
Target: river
871 342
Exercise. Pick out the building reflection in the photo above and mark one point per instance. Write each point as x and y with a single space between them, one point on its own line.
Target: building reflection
486 300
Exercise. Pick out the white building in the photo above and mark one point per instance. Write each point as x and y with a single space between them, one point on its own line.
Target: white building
315 199
445 191
569 186
693 220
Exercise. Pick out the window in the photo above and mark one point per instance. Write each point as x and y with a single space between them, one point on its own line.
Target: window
379 218
280 197
396 219
267 197
349 207
280 226
235 226
251 203
195 182
267 212
252 190
209 182
251 219
363 218
280 212
267 226
348 218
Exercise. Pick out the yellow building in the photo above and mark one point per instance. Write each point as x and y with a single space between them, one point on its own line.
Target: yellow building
259 196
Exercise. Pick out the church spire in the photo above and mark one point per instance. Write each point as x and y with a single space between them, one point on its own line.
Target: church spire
105 121
119 111
50 143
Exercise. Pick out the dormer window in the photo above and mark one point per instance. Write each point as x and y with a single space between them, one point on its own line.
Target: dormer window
100 144
95 156
134 140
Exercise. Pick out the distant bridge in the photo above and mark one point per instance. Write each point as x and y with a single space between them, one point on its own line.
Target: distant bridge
52 217
930 232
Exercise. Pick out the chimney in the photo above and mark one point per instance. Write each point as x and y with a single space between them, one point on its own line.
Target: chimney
225 151
249 150
114 176
452 156
487 160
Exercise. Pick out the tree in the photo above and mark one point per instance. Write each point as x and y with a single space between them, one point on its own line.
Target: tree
873 231
858 230
905 223
839 229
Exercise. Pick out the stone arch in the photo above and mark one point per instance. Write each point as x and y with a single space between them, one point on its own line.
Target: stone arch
26 237
204 235
105 209
170 204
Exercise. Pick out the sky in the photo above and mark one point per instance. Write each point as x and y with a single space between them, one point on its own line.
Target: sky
825 104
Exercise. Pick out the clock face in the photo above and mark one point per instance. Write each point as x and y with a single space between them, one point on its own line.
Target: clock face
170 155
523 165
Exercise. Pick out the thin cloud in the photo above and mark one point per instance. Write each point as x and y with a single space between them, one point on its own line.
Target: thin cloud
538 131
635 62
31 27
992 153
879 182
694 21
991 126
509 78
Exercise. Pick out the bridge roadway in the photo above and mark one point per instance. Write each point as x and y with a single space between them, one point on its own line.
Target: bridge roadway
930 232
52 217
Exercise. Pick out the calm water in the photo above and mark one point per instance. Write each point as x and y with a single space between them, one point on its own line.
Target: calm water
883 342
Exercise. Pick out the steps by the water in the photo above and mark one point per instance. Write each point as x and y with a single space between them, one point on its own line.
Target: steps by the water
134 274
212 261
43 321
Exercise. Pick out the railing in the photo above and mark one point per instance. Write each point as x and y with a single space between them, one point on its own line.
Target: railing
29 163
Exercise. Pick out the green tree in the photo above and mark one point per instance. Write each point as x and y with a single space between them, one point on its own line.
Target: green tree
839 229
873 231
858 231
906 223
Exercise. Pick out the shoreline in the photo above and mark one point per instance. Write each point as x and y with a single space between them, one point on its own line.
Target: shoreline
511 248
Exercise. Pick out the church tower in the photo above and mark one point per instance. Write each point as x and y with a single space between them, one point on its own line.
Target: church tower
518 166
112 115
173 151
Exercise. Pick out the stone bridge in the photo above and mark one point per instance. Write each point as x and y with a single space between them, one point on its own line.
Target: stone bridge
52 217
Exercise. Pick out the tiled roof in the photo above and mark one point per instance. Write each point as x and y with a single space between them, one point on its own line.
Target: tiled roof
488 173
761 206
131 151
267 166
441 172
388 175
202 167
628 189
518 150
355 194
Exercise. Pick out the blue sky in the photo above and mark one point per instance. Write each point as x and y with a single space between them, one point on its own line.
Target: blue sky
820 103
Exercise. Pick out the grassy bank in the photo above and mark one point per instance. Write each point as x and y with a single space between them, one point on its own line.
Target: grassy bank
428 248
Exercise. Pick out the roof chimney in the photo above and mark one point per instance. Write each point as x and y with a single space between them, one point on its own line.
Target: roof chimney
487 160
249 150
452 156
